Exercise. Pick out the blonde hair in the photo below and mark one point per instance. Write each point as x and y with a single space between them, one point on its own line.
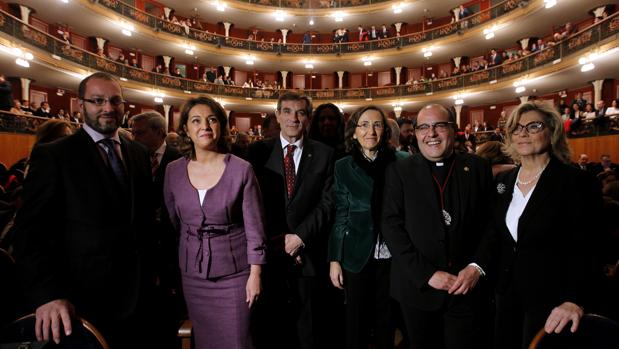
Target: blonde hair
559 147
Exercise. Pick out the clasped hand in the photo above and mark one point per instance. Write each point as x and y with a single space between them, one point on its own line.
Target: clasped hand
457 285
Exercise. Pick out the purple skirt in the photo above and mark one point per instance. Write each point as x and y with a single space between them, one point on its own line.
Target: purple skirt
218 311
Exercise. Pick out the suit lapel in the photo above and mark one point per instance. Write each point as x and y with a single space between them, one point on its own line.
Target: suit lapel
505 191
307 156
275 163
545 185
421 177
462 177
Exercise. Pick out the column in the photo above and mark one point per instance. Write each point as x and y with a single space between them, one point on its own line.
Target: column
397 110
398 70
166 63
457 61
340 79
100 43
284 34
227 113
398 27
227 70
597 90
456 12
524 43
166 12
227 26
25 88
458 109
523 99
25 13
599 12
284 76
166 115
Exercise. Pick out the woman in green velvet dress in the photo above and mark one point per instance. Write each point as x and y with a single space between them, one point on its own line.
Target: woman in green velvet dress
360 259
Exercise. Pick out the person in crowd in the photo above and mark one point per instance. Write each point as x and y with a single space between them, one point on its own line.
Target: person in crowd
295 175
76 117
177 73
497 135
44 110
6 94
469 135
241 145
613 109
394 141
589 112
407 135
537 247
173 140
307 38
61 114
600 120
359 257
384 32
211 74
327 126
493 152
214 202
567 114
435 212
83 251
25 107
580 101
16 108
52 130
584 164
219 80
158 69
605 164
495 58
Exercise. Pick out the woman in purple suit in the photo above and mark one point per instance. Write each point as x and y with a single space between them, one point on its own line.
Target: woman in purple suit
213 200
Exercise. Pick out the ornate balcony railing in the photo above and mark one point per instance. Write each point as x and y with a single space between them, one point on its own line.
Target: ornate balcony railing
219 40
312 4
586 38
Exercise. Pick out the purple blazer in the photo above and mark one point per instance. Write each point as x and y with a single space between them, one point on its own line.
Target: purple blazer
225 234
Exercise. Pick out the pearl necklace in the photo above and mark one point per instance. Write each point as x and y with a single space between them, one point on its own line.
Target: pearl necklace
518 181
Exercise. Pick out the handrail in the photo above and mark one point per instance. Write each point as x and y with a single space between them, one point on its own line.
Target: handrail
219 40
23 123
585 38
312 4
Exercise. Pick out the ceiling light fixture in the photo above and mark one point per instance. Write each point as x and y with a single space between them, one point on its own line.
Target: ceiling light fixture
311 21
220 6
397 8
126 28
309 66
158 100
427 51
550 3
249 60
280 15
367 61
338 16
520 89
587 67
489 32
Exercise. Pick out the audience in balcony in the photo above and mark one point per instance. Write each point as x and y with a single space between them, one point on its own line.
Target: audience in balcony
16 108
613 109
219 80
177 73
565 32
44 110
580 101
494 58
589 112
25 107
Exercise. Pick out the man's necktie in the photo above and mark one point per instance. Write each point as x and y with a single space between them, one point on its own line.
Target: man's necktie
289 169
154 164
113 160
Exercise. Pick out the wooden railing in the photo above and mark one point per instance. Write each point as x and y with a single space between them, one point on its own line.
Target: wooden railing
584 39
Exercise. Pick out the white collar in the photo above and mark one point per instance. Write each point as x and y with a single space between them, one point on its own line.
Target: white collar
285 143
97 136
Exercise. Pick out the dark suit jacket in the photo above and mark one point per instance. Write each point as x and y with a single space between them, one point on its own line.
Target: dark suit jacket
548 264
169 155
309 212
414 230
79 235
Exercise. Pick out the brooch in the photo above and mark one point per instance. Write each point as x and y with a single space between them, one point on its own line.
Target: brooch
500 188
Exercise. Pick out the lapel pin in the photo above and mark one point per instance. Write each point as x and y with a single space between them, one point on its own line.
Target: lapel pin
500 188
466 169
309 155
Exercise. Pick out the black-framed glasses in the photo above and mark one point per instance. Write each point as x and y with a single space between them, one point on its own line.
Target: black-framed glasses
441 126
532 127
365 125
99 101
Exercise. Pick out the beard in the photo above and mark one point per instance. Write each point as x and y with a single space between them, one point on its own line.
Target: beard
104 126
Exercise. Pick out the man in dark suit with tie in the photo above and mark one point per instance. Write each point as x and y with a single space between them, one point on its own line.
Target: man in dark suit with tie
295 175
434 218
150 129
83 234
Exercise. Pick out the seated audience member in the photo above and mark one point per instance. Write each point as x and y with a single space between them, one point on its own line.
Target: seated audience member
52 130
497 135
173 140
536 251
613 110
493 152
219 80
589 112
567 113
61 114
25 107
44 110
584 164
16 108
76 117
605 165
177 73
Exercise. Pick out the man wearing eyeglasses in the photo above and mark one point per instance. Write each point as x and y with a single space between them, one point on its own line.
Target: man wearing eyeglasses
82 235
434 218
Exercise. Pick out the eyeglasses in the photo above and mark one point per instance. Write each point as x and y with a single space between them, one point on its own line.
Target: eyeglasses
532 128
211 120
377 125
98 101
441 126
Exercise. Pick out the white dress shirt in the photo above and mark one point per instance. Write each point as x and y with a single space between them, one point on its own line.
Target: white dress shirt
297 152
516 207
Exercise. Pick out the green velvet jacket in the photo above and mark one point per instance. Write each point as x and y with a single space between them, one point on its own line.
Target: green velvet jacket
353 238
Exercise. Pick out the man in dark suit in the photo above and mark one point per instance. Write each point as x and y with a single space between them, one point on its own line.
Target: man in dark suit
434 218
83 234
605 165
295 175
150 130
211 75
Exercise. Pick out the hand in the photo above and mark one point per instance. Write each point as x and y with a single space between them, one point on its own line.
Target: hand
467 279
253 286
337 277
292 244
51 315
442 280
561 315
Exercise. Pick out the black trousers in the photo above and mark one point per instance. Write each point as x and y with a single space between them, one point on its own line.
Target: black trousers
451 327
369 308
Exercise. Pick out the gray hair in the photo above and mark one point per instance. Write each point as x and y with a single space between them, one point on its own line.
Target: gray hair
153 119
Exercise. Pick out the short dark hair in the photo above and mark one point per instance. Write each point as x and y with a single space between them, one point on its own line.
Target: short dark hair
402 121
293 96
351 126
186 145
81 90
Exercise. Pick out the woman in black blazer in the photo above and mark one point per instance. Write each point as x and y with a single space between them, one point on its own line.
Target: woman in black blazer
360 259
545 217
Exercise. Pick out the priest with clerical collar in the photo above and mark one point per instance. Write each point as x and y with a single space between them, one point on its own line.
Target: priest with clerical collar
434 221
